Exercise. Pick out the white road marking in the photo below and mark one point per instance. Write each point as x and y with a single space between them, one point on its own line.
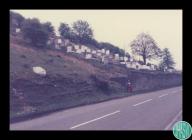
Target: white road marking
174 119
95 119
177 91
163 95
142 102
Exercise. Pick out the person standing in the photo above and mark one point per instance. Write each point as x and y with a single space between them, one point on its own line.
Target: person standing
129 86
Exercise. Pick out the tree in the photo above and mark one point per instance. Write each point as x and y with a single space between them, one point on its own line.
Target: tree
65 31
145 46
49 28
82 31
16 21
36 32
167 60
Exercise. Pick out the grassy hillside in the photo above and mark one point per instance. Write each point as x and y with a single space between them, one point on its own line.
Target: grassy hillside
70 81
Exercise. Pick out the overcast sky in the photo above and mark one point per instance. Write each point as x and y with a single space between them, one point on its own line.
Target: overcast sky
120 27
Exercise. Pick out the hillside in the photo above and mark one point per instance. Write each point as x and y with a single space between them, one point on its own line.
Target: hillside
67 79
70 81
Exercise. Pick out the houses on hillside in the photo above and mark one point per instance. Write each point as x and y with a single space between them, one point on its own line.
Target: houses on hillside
103 55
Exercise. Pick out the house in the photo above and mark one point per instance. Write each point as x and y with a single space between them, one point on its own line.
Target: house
116 56
121 58
99 54
170 70
123 63
93 51
153 67
79 51
131 59
57 46
125 58
88 56
59 41
83 48
66 42
17 30
88 50
76 47
55 41
105 60
110 56
99 51
69 49
133 65
107 52
144 67
103 51
49 42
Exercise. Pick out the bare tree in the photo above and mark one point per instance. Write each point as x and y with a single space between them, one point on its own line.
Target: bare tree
146 47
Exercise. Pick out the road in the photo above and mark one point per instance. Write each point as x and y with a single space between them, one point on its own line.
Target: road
157 110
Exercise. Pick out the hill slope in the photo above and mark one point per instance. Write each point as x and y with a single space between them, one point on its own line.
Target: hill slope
70 81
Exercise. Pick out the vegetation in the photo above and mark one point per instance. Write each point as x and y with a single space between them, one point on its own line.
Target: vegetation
144 45
16 21
65 31
38 33
112 48
167 61
81 33
71 81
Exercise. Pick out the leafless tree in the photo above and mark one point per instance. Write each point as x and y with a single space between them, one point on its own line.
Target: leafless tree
146 47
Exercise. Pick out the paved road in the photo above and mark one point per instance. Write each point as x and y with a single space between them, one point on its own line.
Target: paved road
157 110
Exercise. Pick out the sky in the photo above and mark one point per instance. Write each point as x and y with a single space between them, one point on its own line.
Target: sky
120 27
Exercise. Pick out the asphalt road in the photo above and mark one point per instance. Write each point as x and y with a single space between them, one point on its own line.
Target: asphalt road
157 110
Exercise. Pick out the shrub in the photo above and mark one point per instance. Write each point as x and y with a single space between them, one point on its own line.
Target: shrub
26 66
100 84
23 56
141 62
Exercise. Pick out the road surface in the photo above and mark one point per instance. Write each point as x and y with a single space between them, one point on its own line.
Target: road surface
157 110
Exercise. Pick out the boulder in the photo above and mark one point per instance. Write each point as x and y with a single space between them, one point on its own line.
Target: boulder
39 70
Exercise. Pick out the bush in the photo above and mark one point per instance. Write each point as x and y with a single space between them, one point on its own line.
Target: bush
26 66
148 64
102 85
36 32
23 56
141 62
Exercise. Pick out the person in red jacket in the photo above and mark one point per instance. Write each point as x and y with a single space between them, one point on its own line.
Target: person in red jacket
129 86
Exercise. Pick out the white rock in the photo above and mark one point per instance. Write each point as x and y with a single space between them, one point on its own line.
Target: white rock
39 70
